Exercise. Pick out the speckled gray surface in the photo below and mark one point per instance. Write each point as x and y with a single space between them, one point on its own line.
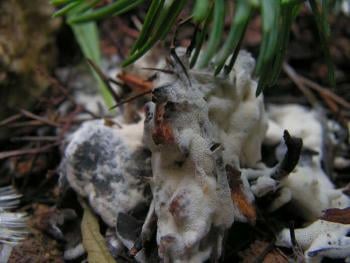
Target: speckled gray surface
107 168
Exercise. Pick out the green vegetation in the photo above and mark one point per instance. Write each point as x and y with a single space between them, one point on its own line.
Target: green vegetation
209 15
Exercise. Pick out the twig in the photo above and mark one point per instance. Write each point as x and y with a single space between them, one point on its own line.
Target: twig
56 84
130 99
34 138
38 118
104 78
8 154
25 124
326 91
329 96
295 77
295 246
10 119
179 62
166 71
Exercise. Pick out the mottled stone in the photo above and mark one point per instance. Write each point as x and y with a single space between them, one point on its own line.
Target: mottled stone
107 166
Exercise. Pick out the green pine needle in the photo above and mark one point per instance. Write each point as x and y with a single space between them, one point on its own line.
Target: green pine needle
209 15
116 8
200 10
216 33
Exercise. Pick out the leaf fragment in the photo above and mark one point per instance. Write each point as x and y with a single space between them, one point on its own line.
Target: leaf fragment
93 241
337 215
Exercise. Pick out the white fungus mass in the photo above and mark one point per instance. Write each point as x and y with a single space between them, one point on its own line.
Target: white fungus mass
199 149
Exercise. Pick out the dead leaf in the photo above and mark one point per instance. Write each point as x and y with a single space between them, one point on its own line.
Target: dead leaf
262 252
93 241
135 81
337 215
237 195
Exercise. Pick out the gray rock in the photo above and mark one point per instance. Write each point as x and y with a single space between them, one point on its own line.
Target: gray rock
107 166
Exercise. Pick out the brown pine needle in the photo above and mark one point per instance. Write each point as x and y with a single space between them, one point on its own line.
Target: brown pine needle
46 148
10 120
104 78
166 71
38 118
131 99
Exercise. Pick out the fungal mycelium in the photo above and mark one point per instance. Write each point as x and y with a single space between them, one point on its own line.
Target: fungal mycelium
199 150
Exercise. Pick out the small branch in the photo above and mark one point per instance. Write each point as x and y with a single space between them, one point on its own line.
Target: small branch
10 119
104 78
8 154
166 71
296 248
34 138
131 99
295 77
39 118
330 98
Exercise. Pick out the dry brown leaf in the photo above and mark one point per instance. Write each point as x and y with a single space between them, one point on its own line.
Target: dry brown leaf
135 82
93 241
337 215
237 195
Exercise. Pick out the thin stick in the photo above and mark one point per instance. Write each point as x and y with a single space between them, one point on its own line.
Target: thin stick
25 124
46 148
291 73
178 60
104 78
10 119
34 138
326 91
131 99
301 81
166 71
38 118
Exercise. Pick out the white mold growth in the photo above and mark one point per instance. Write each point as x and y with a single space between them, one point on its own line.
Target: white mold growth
106 165
308 185
192 116
320 239
205 135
